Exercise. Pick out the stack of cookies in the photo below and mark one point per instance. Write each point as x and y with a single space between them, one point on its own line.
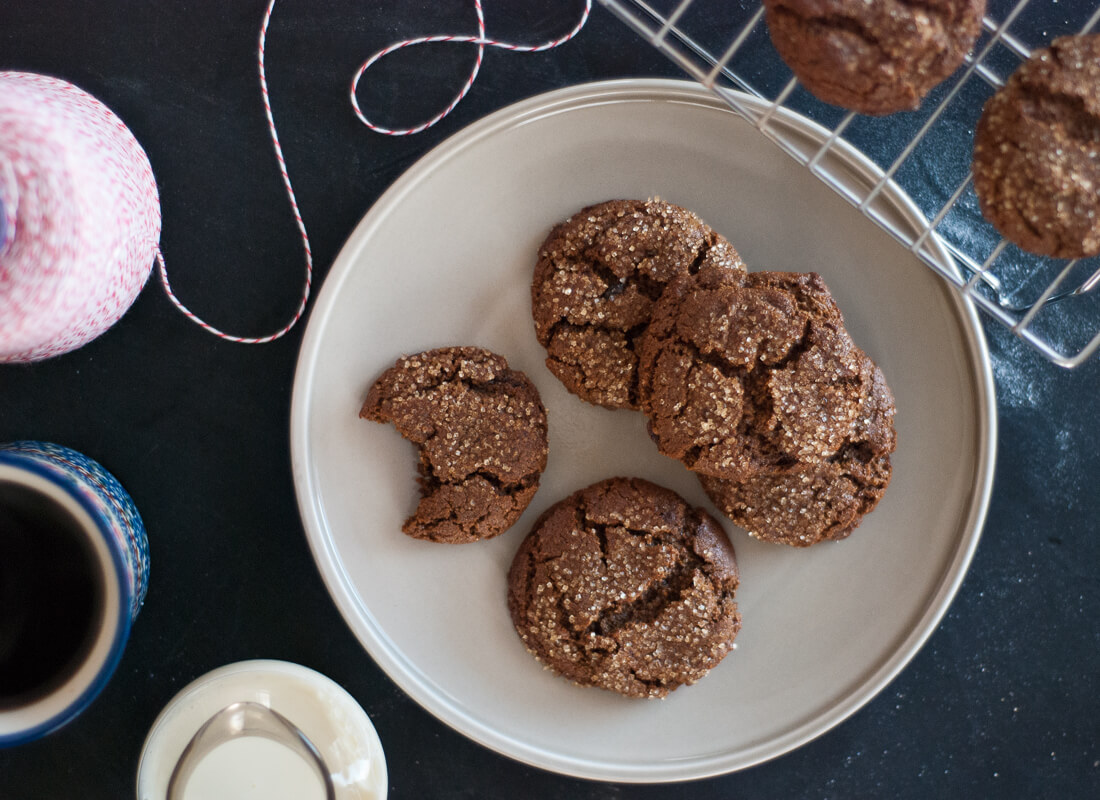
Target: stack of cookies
749 379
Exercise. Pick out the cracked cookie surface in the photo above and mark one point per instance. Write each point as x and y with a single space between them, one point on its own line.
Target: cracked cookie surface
873 57
597 278
624 586
814 502
1037 151
482 436
741 374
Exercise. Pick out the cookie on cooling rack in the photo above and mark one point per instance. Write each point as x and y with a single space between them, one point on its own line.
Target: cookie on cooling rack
482 435
873 57
625 586
1037 151
598 276
814 502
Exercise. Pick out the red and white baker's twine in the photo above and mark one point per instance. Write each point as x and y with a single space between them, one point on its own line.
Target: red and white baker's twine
480 40
481 43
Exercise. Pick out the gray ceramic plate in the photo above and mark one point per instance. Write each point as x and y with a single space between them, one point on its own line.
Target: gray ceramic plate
445 258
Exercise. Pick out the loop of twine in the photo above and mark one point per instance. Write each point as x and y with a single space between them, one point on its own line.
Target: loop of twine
480 40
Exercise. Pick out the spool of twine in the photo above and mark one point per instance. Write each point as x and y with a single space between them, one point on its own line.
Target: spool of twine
79 217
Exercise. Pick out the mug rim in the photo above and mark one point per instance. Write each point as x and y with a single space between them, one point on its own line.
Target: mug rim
122 624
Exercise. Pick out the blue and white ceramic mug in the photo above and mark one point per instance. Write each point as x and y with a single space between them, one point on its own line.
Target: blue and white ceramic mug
74 566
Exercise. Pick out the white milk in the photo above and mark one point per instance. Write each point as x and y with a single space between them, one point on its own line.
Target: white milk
253 768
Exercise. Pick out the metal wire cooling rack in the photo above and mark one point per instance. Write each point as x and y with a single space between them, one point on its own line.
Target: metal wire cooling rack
1046 302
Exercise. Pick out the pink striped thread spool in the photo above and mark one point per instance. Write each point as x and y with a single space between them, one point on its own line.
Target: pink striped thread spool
81 217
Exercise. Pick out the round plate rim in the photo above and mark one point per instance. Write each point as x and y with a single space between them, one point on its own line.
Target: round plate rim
404 674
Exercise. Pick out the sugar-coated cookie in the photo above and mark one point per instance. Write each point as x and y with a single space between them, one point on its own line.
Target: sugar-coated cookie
873 56
481 431
1037 151
597 278
625 586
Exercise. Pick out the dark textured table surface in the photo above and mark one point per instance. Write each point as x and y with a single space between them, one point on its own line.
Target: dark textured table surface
1004 699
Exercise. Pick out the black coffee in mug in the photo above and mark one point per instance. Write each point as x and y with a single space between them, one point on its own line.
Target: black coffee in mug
74 568
51 595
